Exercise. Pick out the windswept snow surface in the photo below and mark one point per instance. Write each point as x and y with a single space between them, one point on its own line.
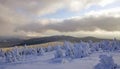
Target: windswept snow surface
46 62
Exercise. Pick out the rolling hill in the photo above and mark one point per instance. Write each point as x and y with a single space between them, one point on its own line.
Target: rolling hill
58 38
10 42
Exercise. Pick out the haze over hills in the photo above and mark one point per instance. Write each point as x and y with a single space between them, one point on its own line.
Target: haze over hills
10 42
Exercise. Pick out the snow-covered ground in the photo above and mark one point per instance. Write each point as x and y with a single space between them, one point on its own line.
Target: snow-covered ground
46 62
83 55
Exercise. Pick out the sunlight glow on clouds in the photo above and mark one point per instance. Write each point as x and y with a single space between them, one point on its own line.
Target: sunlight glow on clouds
75 5
105 2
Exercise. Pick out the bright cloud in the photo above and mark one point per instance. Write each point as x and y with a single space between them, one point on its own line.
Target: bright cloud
114 12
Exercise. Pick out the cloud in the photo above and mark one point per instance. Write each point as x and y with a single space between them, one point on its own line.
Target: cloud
33 7
111 12
42 7
18 12
77 5
9 19
19 17
79 24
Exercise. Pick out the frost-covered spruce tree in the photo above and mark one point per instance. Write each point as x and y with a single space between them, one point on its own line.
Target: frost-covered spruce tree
105 45
69 49
38 51
41 51
90 42
78 50
106 62
12 55
86 48
59 52
33 51
95 47
115 45
2 53
81 49
15 54
9 56
49 48
26 50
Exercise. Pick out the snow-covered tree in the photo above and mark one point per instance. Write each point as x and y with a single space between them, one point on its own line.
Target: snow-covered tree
69 49
2 53
27 51
106 62
115 45
24 50
33 51
49 48
78 50
9 56
59 52
41 51
95 47
105 45
86 48
81 49
15 54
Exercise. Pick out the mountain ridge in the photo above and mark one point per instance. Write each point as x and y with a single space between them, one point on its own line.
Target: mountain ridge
41 40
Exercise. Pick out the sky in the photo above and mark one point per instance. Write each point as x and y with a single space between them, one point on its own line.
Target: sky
79 18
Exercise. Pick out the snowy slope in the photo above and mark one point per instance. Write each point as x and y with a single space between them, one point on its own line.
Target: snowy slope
82 55
44 62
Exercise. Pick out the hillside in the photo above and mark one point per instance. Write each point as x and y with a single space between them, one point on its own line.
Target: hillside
10 42
58 38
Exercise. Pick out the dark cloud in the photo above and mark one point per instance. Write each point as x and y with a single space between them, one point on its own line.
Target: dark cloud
17 12
33 7
71 25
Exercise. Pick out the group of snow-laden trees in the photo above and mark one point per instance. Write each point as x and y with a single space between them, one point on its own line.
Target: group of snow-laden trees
83 49
77 50
19 54
106 62
67 50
